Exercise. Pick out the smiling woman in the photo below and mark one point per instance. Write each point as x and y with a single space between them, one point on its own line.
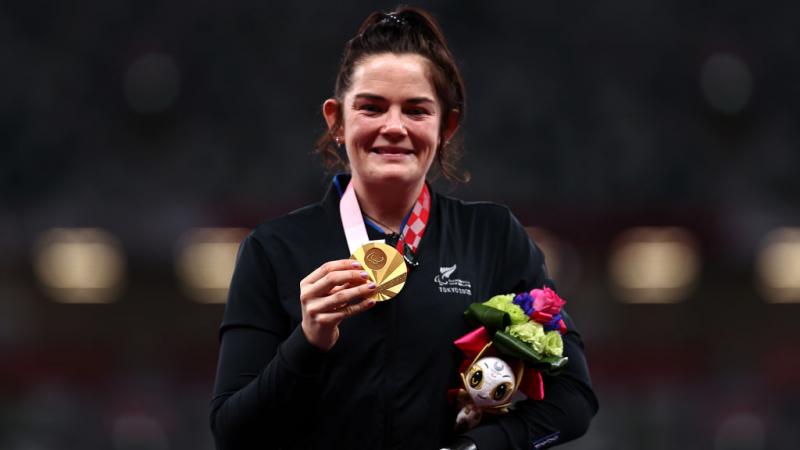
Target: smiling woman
319 350
391 129
407 32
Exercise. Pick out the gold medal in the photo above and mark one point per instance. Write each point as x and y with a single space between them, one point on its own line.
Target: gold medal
386 268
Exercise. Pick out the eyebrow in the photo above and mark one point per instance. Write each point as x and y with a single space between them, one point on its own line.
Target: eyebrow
413 100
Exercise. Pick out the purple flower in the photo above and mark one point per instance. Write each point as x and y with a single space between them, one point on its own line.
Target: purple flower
524 301
553 324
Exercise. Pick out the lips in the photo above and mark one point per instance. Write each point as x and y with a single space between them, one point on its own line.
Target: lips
392 151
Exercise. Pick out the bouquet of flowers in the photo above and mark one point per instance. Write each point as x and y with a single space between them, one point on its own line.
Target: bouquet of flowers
518 339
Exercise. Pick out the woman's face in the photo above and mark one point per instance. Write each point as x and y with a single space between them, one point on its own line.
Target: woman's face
391 119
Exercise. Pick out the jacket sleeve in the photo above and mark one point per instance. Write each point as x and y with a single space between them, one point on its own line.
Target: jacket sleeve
266 373
569 402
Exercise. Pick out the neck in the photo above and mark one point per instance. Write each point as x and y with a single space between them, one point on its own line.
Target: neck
387 204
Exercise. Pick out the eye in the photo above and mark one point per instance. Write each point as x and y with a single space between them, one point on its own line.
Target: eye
476 379
501 391
369 108
417 111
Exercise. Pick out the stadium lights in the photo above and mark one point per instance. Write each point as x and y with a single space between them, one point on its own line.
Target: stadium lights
778 266
205 261
563 263
79 265
654 265
550 247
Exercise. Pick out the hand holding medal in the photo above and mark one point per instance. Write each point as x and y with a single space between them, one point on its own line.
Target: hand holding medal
334 291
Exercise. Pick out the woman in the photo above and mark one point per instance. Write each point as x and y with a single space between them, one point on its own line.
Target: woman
308 359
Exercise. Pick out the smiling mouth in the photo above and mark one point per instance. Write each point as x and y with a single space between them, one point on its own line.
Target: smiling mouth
392 151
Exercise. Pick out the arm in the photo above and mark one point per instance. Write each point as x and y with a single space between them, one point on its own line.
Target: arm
270 374
569 403
267 372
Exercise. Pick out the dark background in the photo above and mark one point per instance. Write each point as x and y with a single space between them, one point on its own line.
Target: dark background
150 118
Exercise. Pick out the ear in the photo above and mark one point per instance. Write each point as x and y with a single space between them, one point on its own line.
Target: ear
451 124
330 109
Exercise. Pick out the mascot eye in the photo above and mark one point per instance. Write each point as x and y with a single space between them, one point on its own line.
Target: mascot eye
500 392
476 379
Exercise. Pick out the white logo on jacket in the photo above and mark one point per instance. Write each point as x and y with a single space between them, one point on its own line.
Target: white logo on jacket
449 285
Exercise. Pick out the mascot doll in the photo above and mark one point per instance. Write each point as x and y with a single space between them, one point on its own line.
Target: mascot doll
518 339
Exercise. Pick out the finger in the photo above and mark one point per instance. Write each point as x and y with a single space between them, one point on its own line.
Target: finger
340 287
326 284
353 309
330 266
341 299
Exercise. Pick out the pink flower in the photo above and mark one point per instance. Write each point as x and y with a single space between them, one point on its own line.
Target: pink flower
547 301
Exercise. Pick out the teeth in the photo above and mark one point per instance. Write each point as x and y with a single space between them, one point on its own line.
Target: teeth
381 151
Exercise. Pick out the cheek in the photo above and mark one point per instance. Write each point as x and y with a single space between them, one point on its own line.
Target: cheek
426 135
360 130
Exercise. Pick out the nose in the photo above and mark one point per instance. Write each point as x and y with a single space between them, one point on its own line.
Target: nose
394 129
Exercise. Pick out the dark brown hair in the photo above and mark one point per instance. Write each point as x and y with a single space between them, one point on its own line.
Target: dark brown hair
405 30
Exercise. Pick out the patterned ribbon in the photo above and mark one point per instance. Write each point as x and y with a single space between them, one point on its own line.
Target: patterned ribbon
414 227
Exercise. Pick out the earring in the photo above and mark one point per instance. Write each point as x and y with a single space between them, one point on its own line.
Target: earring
338 141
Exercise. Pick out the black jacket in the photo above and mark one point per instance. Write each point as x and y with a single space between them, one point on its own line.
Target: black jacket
384 384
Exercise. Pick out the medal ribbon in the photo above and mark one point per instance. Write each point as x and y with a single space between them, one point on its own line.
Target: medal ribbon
410 234
417 221
352 220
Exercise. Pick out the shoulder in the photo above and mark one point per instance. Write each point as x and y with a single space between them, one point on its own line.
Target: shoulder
484 213
288 227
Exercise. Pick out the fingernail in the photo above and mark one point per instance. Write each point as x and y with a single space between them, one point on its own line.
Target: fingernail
356 264
371 285
364 275
370 303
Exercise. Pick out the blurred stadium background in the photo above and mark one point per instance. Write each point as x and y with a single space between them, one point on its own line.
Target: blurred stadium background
651 146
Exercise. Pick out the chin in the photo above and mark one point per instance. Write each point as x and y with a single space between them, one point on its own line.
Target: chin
393 176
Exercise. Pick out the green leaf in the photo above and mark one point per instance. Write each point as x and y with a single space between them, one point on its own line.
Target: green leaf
493 319
512 347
